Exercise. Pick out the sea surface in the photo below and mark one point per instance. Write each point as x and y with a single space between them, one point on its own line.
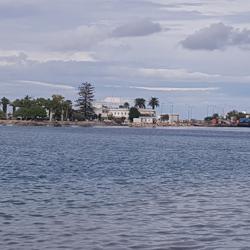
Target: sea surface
124 188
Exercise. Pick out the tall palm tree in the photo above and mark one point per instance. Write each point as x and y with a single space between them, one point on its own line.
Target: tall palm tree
154 102
140 103
15 104
67 106
5 102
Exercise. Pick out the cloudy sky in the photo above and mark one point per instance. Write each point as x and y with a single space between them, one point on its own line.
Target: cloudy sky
192 54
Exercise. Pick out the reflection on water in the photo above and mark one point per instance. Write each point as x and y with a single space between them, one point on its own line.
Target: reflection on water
97 188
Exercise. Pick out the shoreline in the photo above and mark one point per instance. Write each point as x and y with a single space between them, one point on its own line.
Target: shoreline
54 123
99 124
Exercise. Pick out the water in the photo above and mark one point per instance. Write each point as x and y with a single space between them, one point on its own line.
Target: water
120 188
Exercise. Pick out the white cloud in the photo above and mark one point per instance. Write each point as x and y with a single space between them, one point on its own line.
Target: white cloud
13 57
46 84
165 89
61 56
177 74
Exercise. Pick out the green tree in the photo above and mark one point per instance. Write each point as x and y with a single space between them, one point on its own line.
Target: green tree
57 107
26 102
44 103
140 103
15 104
31 113
85 100
234 114
133 113
5 102
215 116
68 110
154 102
208 118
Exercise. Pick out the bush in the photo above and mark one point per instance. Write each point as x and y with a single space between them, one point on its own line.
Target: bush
32 113
133 113
78 116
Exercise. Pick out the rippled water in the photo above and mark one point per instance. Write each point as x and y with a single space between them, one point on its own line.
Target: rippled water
120 188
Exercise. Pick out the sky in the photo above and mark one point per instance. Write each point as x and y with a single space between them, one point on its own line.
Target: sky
191 54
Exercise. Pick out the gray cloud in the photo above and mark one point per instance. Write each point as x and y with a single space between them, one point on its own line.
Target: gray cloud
217 37
137 28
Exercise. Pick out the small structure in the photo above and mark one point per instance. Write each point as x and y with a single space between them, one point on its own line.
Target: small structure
144 120
101 110
164 118
244 122
174 118
147 112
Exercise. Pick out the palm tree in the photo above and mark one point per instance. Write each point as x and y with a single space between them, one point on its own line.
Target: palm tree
140 103
154 102
5 102
126 105
67 106
15 104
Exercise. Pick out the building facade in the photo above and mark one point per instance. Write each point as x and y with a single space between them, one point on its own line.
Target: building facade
119 113
144 120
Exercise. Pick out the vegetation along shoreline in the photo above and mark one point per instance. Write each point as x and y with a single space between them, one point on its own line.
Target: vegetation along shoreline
85 112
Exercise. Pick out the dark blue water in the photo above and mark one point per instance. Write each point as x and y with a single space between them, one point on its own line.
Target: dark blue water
118 188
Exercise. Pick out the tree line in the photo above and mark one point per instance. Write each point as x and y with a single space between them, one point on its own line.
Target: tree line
58 108
231 115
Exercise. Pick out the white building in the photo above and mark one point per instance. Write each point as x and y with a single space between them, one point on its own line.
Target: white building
174 118
147 112
144 120
119 113
101 110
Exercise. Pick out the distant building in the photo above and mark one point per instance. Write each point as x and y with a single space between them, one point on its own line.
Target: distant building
173 118
147 112
144 120
101 110
119 113
107 111
164 117
244 122
147 116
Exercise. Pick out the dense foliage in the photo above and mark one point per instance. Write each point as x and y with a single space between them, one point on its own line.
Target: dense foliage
85 100
57 108
5 102
154 102
32 113
140 103
133 113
